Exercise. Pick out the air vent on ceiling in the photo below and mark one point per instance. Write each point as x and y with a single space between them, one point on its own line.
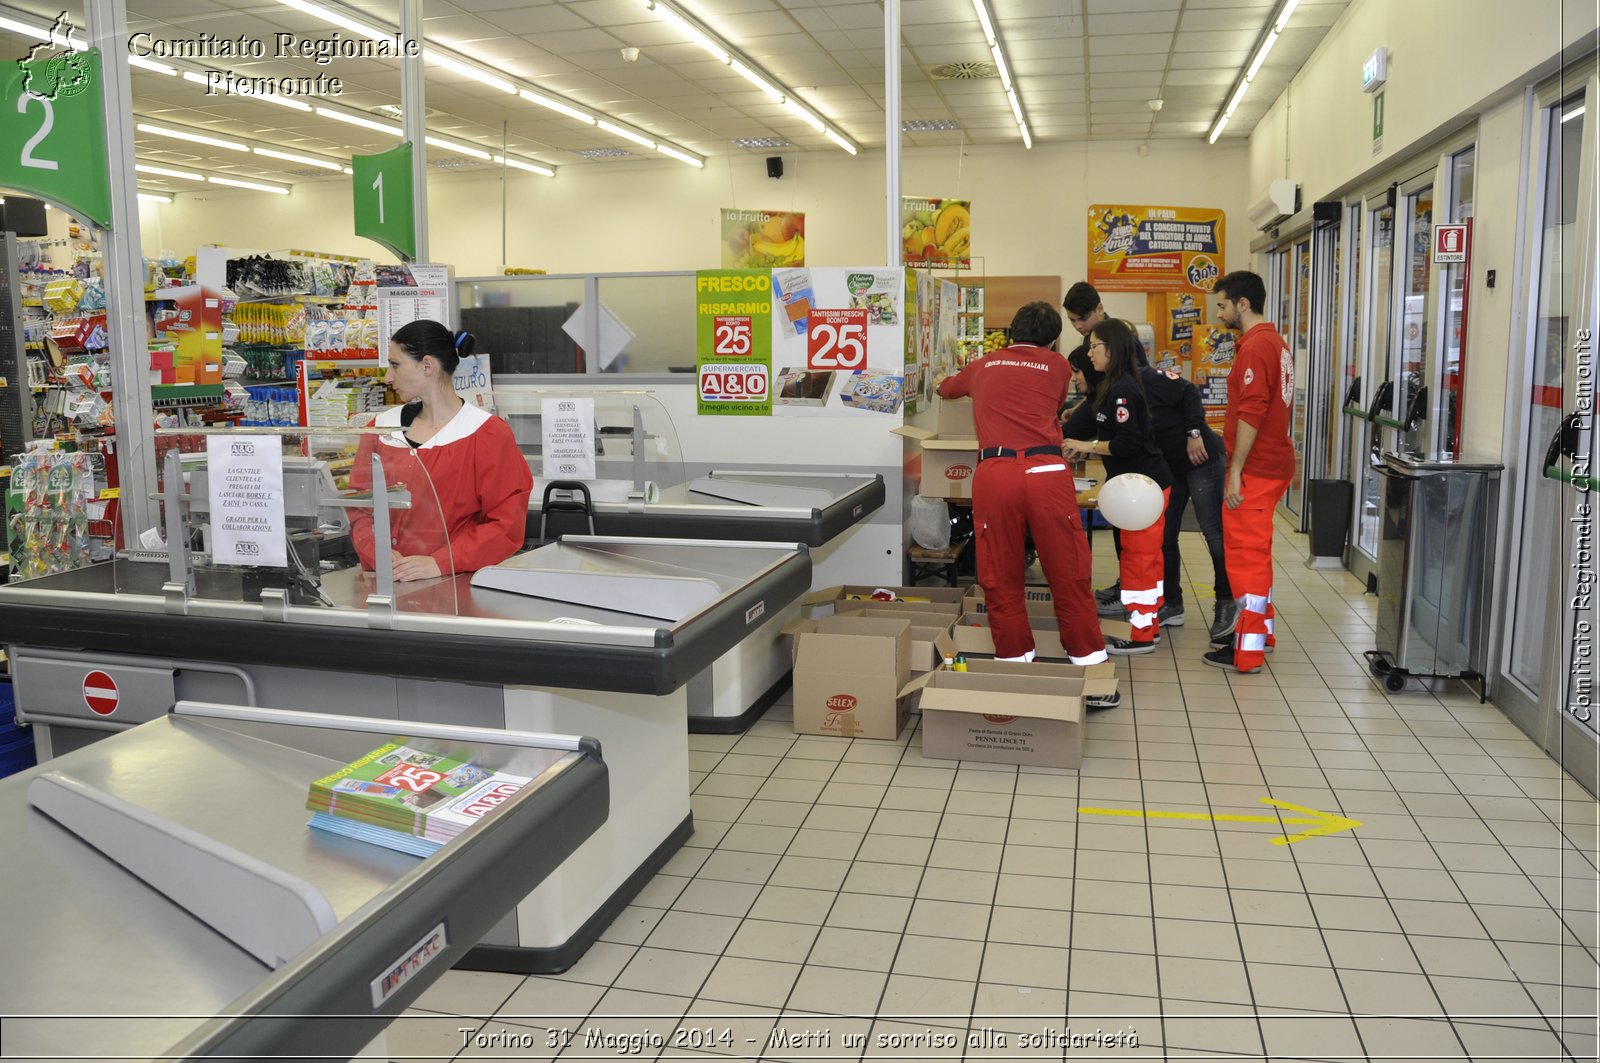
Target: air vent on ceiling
601 153
928 125
761 142
312 171
962 71
454 162
392 110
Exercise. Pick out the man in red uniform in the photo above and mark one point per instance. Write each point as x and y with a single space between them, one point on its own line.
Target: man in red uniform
1022 485
1260 463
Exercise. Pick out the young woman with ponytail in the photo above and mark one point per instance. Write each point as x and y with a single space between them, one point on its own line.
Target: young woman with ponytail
473 510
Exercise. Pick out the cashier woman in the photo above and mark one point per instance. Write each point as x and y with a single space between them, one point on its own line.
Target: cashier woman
460 465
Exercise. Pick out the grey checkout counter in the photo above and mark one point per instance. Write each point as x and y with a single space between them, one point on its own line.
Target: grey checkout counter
185 911
640 485
593 636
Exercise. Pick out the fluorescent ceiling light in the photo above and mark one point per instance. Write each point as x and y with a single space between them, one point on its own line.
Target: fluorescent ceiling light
1261 56
756 79
154 198
451 145
253 185
348 171
680 156
557 106
289 156
1252 70
483 77
318 11
197 138
150 64
39 33
997 50
839 140
355 119
518 164
1576 112
165 172
741 64
626 134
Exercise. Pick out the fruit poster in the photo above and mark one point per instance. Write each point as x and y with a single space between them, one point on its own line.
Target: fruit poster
1155 249
733 341
763 239
936 232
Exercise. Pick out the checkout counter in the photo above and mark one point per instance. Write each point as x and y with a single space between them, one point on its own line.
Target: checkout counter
186 911
593 636
619 455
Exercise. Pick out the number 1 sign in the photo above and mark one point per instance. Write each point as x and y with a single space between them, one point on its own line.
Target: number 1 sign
53 133
383 189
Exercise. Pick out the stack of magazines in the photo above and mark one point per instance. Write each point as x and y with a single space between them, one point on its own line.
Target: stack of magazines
408 799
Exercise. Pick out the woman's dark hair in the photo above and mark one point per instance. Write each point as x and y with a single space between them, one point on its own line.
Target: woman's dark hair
1036 323
1122 354
429 339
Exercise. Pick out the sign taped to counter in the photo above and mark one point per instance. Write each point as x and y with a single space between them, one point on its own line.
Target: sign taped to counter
1155 249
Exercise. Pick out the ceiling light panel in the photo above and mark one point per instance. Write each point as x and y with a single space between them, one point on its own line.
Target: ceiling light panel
1263 48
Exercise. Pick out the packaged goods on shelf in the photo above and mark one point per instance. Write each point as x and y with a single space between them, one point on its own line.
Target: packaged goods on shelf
47 511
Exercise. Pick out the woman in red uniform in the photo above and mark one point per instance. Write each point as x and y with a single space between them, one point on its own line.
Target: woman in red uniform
473 511
1116 426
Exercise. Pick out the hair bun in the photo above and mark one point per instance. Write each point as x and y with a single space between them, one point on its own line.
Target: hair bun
464 343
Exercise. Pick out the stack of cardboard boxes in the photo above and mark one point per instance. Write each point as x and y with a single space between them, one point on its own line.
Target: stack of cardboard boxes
949 452
861 663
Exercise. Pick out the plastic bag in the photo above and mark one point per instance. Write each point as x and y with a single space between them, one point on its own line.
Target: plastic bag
930 523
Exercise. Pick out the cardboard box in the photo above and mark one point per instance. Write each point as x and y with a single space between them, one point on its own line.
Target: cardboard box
1098 680
828 599
930 638
955 419
944 613
1035 718
972 635
848 676
1039 601
948 462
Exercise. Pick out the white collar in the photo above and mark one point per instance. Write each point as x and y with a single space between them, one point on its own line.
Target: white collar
467 420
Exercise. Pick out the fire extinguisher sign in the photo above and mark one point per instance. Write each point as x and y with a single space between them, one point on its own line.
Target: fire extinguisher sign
733 349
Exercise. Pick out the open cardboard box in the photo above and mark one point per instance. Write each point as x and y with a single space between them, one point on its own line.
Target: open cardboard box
848 675
949 451
930 635
858 595
1008 714
1039 601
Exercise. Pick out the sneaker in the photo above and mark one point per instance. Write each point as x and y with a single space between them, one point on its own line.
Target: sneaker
1226 620
1170 615
1111 595
1130 648
1223 658
1112 610
1103 702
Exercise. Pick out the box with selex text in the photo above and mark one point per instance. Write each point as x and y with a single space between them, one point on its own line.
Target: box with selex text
1009 713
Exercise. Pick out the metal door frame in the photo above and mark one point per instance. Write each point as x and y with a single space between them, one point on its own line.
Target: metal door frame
1350 219
1405 214
1362 565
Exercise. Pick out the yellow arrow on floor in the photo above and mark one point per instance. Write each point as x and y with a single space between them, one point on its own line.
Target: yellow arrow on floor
1320 822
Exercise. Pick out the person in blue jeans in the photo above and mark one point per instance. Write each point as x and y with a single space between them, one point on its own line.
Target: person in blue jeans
1199 466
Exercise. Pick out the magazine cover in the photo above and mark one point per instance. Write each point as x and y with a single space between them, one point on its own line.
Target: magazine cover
403 788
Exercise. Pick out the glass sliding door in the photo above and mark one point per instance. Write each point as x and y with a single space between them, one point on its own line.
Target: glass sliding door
1296 328
1351 441
1450 378
1377 391
1410 390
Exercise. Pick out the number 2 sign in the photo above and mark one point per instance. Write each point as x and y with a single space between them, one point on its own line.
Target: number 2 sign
53 138
836 339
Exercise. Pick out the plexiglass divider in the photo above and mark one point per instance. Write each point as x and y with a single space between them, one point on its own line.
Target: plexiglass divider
289 524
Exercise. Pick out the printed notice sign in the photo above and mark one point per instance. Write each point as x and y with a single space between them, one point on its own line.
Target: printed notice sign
568 430
244 478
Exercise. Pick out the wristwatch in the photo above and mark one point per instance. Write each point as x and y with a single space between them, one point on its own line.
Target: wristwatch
1194 433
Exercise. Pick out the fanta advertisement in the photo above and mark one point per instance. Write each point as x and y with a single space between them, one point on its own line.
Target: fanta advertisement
1155 249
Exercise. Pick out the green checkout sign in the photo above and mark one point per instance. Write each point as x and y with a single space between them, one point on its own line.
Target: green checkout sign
53 132
383 200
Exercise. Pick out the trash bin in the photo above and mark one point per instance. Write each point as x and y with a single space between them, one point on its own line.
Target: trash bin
1330 502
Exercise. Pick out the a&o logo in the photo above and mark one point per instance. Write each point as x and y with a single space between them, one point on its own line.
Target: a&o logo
52 69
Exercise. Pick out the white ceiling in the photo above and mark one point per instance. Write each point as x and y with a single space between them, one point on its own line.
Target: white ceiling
1084 70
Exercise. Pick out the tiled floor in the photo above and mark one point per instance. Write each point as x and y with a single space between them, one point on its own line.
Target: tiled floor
854 900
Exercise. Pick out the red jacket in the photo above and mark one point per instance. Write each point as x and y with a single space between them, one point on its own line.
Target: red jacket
1260 393
470 478
1016 392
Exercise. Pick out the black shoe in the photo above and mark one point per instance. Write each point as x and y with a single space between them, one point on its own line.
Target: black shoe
1103 702
1130 648
1223 658
1111 595
1226 619
1170 615
1112 610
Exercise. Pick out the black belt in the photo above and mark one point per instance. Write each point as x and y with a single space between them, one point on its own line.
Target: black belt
1007 452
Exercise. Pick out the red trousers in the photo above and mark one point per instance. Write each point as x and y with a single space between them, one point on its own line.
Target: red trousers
1010 498
1247 546
1143 567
